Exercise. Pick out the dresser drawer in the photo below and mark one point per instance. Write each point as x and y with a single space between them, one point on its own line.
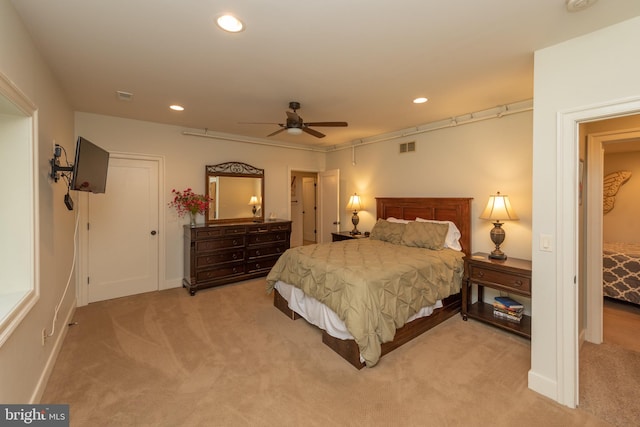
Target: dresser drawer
500 279
261 251
256 239
223 243
261 264
211 259
220 272
208 233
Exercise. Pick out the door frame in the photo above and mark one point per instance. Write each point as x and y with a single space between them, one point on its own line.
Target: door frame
594 228
82 267
567 271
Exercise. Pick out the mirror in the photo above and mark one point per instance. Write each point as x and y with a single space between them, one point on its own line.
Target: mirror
236 191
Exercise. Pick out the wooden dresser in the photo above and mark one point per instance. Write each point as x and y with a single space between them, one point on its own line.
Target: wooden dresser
218 254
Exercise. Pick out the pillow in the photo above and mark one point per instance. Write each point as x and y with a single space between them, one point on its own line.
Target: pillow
452 241
398 221
387 231
428 235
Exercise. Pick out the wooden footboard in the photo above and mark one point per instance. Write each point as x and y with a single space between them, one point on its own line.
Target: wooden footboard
349 350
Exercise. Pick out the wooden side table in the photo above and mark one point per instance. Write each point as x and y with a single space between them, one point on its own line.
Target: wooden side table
346 235
512 275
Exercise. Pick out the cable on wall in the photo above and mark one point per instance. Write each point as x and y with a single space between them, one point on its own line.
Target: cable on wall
73 264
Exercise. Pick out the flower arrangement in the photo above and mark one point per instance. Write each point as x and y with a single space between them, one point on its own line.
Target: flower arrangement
189 202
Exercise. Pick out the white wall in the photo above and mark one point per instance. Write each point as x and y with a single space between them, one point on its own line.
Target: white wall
596 69
185 158
471 160
24 362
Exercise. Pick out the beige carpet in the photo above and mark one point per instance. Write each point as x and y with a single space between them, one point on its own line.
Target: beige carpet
227 357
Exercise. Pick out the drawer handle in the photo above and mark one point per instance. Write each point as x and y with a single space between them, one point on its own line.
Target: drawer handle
235 270
235 256
480 273
518 283
235 242
257 253
257 265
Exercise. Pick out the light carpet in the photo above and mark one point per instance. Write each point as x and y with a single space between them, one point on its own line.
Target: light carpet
227 357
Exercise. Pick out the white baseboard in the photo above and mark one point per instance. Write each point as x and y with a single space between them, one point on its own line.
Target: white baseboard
544 386
53 356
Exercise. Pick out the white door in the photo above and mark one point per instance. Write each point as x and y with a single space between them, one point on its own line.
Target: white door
309 208
122 231
329 194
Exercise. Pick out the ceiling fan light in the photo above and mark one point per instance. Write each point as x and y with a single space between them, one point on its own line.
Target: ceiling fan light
294 131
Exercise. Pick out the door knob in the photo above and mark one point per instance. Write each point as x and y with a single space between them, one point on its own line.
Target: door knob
153 232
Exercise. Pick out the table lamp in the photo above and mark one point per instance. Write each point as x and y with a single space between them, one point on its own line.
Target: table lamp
355 205
498 208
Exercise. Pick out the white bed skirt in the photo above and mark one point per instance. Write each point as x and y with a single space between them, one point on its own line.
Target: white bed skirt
322 316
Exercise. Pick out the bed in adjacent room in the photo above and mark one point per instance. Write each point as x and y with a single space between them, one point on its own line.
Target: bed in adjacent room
621 271
369 296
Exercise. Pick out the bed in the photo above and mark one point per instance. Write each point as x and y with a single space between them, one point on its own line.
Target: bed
621 271
414 307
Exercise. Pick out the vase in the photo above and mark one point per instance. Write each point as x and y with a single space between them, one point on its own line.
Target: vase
192 218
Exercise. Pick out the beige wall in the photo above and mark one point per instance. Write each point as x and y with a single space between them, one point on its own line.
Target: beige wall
471 160
621 224
24 361
185 158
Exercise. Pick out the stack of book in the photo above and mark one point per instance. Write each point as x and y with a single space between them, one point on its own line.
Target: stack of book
508 309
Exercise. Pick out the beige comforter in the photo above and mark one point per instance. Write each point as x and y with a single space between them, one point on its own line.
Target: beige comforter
373 286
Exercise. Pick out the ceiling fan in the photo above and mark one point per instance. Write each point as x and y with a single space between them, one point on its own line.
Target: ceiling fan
295 125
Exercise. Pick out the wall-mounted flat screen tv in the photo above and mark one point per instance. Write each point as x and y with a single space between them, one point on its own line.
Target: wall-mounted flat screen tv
90 167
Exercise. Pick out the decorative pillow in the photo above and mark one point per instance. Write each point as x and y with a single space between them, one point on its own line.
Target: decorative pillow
429 235
387 231
452 241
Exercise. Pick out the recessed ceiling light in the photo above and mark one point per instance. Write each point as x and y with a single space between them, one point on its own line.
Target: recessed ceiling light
177 107
230 23
420 100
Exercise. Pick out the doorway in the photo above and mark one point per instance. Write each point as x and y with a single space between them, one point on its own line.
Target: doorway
570 307
304 208
314 210
123 237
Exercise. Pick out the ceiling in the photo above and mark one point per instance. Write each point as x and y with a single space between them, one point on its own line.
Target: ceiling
359 61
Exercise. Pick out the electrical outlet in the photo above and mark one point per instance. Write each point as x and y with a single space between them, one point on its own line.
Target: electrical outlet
44 336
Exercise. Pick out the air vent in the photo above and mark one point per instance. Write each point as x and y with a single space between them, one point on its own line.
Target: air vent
407 147
124 96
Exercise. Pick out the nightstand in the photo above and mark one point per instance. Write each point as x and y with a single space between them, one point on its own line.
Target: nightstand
346 235
512 276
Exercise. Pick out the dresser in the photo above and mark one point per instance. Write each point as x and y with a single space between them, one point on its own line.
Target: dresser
218 254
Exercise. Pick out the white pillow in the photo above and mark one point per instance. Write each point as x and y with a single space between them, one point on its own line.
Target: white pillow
452 241
398 221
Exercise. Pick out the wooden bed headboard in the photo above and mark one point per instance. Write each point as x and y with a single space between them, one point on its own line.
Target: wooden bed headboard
455 209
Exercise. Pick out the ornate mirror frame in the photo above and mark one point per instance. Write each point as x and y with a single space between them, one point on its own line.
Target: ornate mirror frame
237 193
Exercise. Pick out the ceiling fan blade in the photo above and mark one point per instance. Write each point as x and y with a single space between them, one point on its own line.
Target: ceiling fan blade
278 131
313 132
328 124
259 123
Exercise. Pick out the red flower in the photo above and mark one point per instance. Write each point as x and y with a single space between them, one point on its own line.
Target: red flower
188 201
